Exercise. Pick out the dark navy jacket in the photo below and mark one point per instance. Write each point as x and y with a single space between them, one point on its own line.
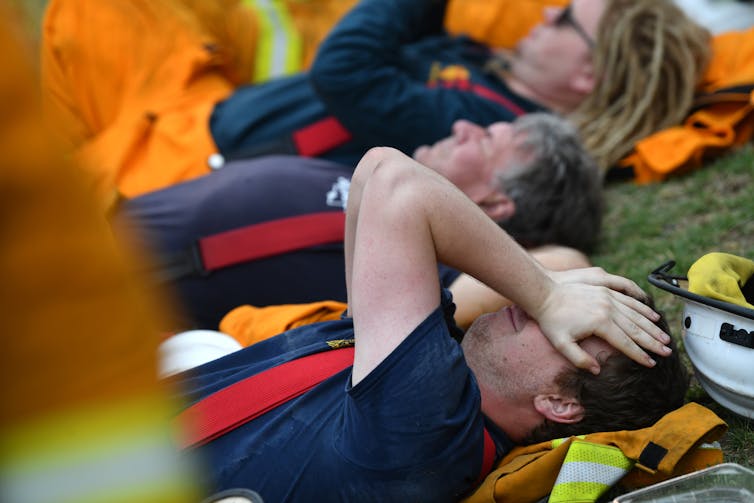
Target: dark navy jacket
387 72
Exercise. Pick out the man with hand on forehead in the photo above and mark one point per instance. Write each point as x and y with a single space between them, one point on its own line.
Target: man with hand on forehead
406 422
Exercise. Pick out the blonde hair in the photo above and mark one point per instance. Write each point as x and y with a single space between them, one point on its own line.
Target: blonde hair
649 57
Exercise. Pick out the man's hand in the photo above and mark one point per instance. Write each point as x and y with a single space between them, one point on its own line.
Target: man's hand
585 302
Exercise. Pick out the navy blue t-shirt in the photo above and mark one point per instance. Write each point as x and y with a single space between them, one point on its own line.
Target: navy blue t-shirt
410 431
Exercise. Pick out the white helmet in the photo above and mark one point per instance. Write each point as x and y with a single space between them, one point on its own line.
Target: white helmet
719 340
186 350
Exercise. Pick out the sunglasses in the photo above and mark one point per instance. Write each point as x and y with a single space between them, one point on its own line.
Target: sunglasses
565 18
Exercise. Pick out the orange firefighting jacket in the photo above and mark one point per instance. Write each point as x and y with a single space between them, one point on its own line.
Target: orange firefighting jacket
671 447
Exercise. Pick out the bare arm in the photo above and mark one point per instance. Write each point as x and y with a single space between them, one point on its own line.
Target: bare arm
402 218
473 298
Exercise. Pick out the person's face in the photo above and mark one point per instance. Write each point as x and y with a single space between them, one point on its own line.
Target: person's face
472 158
556 53
509 347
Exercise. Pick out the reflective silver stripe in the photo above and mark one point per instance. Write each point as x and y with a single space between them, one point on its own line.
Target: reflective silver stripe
582 471
122 451
279 49
135 470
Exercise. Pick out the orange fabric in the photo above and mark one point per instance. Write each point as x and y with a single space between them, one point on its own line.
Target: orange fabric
79 334
498 23
235 27
732 61
137 119
714 128
78 331
527 473
249 324
314 20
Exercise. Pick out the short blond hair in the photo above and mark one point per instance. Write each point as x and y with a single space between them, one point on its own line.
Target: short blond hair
650 57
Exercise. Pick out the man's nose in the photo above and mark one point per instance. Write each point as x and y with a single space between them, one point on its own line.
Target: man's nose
463 130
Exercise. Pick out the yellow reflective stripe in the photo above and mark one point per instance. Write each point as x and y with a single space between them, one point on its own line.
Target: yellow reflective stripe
120 453
559 441
588 471
279 47
577 492
582 451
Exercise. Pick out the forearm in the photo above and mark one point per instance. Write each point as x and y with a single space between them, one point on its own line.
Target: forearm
379 27
367 38
473 298
361 63
468 240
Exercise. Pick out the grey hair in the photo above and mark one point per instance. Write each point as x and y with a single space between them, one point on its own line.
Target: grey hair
556 186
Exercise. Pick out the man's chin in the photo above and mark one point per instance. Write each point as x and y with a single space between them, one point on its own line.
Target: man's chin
480 328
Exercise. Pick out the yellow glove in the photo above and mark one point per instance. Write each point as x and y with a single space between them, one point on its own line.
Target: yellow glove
721 276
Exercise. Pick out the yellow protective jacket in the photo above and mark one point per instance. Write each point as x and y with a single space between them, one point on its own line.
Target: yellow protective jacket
81 398
289 33
672 447
722 118
154 109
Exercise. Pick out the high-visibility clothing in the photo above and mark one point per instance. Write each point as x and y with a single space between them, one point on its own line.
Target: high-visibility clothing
84 418
582 469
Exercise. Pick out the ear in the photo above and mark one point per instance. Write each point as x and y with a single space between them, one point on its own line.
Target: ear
559 408
498 206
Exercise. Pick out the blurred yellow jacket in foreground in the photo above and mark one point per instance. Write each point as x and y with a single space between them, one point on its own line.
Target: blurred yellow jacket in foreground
84 418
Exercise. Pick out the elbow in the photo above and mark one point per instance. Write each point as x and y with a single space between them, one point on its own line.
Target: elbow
370 162
387 166
340 74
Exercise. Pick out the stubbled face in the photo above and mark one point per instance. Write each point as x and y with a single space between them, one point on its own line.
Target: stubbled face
508 346
473 157
551 56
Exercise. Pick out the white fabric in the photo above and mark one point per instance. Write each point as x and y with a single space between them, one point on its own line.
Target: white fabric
720 15
190 349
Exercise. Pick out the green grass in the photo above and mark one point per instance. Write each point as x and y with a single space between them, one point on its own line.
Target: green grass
710 209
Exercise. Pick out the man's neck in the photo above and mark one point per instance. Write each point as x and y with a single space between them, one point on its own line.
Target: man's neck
519 87
517 418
